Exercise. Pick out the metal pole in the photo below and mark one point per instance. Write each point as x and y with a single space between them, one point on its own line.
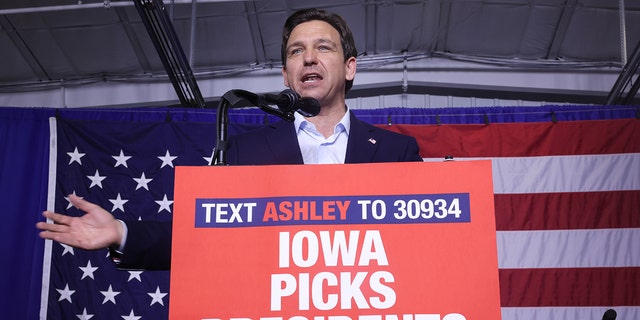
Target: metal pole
105 4
192 40
623 33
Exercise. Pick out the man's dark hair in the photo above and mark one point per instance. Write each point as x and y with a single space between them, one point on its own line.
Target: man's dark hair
336 21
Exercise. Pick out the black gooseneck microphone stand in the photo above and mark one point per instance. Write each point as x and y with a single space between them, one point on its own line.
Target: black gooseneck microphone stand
239 99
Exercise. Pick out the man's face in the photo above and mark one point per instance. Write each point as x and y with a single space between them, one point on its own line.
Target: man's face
315 64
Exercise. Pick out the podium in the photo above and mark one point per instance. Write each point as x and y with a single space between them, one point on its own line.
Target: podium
410 241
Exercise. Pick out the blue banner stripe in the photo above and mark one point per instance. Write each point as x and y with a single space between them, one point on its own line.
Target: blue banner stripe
338 210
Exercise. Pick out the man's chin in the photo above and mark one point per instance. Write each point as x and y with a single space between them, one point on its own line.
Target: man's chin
310 90
307 94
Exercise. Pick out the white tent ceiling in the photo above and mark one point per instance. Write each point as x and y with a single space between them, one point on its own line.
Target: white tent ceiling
63 44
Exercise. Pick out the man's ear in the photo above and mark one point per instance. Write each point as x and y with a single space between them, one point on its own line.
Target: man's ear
284 76
350 66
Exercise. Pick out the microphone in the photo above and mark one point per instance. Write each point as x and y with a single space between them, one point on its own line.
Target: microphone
288 101
308 107
610 315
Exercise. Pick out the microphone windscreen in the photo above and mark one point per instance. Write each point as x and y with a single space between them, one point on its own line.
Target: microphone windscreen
610 315
308 107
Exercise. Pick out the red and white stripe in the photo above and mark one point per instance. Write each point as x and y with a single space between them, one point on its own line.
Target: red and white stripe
567 201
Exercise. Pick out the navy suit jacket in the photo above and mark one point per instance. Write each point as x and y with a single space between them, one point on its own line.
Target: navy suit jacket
148 244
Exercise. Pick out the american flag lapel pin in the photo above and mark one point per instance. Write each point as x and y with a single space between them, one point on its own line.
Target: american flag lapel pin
372 140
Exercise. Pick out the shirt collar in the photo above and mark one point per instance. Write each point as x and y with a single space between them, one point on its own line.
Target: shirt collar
300 122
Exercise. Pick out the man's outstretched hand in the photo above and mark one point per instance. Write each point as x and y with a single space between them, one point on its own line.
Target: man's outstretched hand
96 229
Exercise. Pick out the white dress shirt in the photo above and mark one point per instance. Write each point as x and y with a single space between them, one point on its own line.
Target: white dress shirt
317 149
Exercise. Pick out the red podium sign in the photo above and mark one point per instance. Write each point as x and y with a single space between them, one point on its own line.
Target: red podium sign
410 241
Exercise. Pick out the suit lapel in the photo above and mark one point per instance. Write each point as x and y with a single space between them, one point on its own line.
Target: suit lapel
283 142
362 145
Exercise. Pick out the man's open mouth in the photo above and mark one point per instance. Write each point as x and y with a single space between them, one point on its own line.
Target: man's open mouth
311 77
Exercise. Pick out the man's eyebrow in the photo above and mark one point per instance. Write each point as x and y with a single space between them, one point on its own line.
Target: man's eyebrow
325 40
294 44
316 41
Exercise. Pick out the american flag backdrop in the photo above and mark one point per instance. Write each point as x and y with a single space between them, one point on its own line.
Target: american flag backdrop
567 199
567 202
128 169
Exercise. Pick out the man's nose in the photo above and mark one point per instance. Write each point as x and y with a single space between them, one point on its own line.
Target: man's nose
310 57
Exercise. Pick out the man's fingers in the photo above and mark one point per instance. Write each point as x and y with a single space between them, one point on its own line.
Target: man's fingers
57 218
45 226
52 231
81 204
49 235
59 237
